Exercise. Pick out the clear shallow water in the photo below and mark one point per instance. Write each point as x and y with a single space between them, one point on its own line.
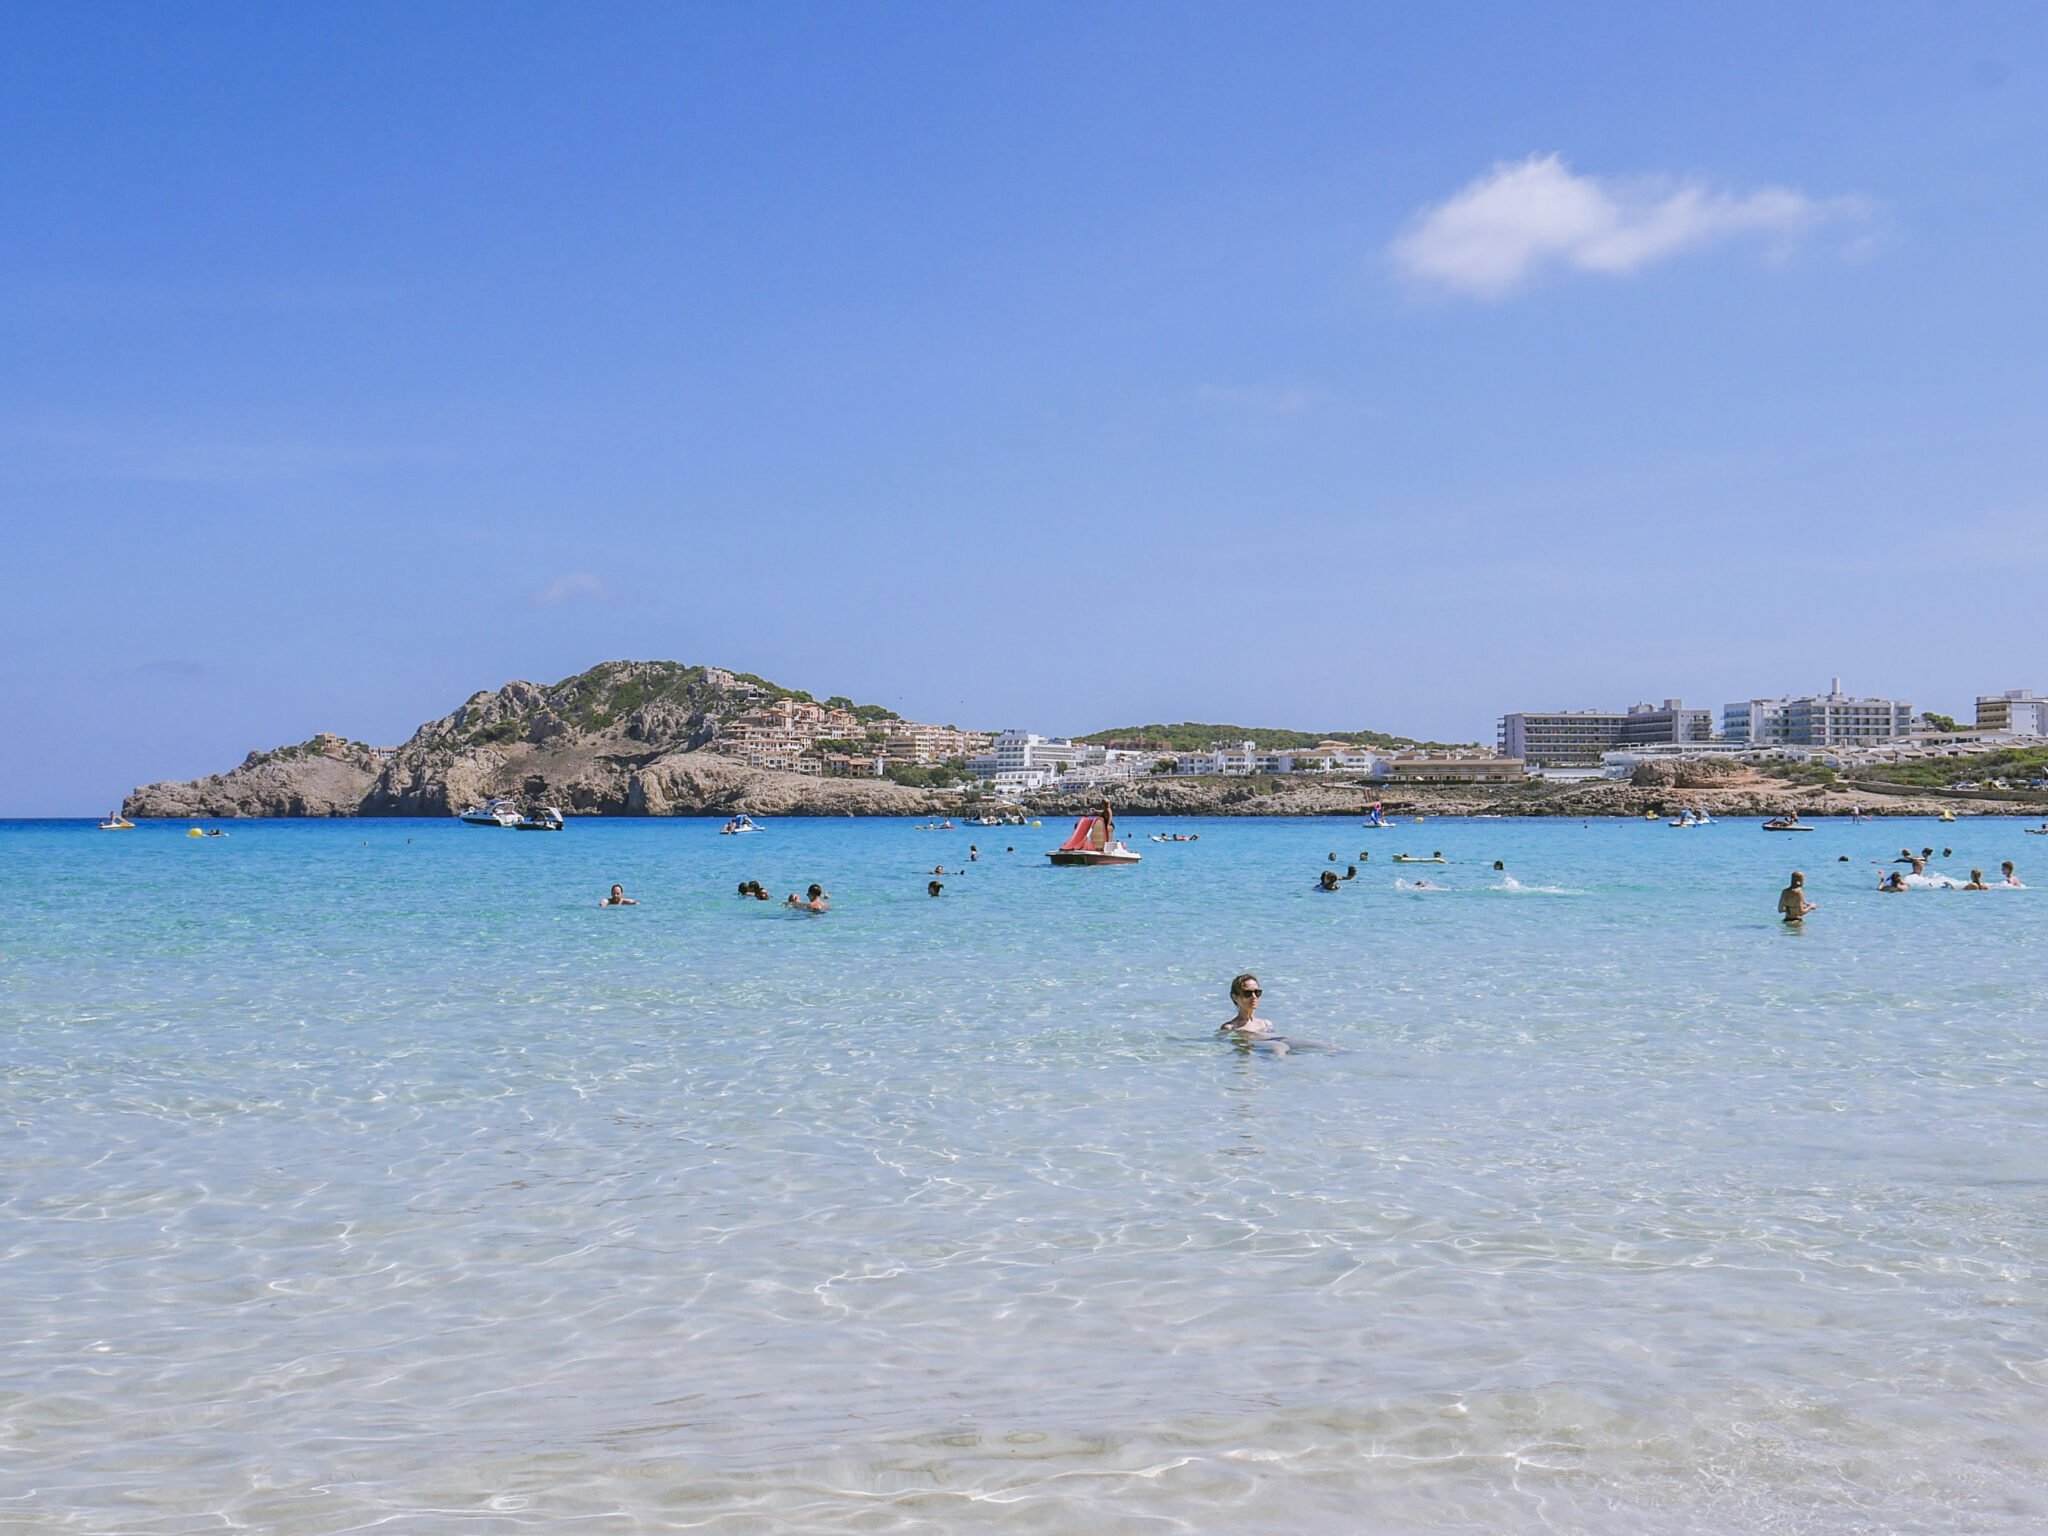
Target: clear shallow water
367 1176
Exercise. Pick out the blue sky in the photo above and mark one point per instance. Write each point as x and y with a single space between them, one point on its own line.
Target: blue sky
1049 366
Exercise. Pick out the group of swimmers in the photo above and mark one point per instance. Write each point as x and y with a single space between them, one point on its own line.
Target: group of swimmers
1793 905
816 899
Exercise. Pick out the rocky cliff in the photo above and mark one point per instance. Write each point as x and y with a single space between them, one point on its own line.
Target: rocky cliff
623 739
327 776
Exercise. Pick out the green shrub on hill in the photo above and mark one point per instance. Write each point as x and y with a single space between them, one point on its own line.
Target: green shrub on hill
1190 736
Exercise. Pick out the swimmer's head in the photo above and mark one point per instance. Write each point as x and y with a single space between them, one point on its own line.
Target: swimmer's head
932 888
1245 988
815 892
1799 877
618 890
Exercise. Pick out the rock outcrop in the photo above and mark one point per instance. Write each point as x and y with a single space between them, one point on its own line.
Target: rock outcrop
623 739
327 776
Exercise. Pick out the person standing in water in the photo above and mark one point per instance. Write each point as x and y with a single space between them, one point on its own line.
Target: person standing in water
1245 992
1792 900
619 898
2011 878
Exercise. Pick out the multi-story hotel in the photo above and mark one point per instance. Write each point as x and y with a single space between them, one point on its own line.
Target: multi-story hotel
2015 710
1575 738
1831 719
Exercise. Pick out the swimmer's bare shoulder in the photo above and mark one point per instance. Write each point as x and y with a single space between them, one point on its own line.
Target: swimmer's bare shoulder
1255 1027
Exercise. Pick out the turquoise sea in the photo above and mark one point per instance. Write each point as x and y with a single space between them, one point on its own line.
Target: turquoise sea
366 1176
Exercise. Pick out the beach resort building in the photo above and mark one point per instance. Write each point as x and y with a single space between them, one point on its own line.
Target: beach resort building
2015 710
1832 719
1577 738
1452 768
1020 751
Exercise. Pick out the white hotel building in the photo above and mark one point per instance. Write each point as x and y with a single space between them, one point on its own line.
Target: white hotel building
1831 719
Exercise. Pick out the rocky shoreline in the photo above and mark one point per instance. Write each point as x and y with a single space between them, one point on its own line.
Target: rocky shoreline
629 739
346 780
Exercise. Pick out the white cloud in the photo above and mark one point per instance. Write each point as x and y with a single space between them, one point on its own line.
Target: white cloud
576 587
1490 237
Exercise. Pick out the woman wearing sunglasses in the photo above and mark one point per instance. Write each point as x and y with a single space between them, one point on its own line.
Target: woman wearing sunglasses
1245 991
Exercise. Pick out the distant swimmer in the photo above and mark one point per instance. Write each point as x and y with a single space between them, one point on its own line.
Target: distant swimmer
1792 900
1497 864
1895 881
934 888
1948 853
973 854
1245 991
1365 855
1328 880
1350 871
818 899
1424 885
618 898
2011 879
1976 881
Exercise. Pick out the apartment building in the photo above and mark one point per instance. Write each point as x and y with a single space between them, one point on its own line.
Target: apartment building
2015 710
1832 719
1576 738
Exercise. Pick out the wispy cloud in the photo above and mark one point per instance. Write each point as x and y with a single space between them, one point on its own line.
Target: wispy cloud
1493 235
576 587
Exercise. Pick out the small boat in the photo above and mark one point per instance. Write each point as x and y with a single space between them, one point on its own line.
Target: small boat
737 825
1409 858
1694 819
1946 814
117 823
936 826
1786 824
492 813
547 819
1094 843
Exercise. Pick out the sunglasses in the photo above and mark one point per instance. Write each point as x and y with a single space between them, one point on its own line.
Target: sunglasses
1252 992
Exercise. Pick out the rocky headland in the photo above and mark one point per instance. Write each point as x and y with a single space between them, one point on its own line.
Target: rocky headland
623 739
630 739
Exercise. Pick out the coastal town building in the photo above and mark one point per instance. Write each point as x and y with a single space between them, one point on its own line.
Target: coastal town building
1576 738
1816 720
1446 768
799 736
2015 710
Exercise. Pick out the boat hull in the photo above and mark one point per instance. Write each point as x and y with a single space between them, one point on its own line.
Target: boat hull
1077 856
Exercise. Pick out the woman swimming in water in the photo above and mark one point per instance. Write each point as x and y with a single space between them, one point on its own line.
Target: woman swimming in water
1245 991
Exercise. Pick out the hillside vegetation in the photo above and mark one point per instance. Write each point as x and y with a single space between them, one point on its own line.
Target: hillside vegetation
2018 766
1190 736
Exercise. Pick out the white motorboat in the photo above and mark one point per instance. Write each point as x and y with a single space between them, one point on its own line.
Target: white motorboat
737 825
547 819
492 813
